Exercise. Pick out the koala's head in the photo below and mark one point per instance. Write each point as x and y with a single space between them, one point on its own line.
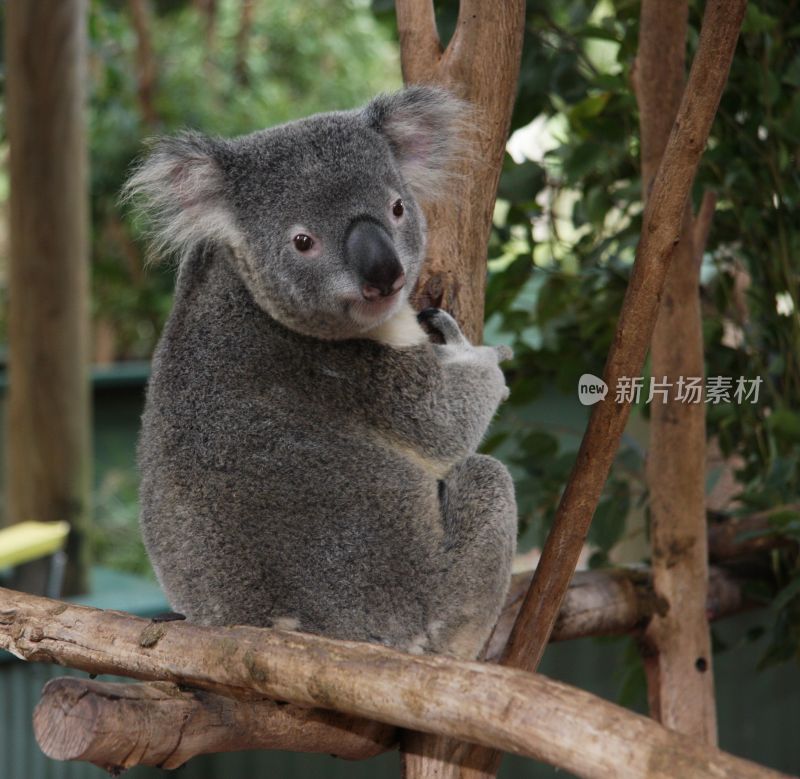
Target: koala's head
321 215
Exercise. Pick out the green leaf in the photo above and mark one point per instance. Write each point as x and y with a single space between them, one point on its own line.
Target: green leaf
787 594
608 524
521 182
785 424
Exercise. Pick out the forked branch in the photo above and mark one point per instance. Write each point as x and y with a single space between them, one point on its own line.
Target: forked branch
661 228
498 707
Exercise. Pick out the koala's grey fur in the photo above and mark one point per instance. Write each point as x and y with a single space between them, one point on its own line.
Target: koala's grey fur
308 457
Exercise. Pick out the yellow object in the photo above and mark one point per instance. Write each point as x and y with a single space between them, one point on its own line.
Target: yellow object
28 541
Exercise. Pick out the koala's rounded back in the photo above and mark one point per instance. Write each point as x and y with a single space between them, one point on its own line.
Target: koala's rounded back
307 456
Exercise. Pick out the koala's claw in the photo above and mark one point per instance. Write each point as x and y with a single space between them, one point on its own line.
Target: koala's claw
442 323
427 315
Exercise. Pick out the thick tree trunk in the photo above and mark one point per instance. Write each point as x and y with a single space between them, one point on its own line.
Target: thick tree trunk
47 444
502 708
480 65
678 644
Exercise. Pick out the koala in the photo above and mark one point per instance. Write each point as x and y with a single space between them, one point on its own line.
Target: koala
307 453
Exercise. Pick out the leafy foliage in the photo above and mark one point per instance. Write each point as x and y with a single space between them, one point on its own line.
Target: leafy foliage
564 243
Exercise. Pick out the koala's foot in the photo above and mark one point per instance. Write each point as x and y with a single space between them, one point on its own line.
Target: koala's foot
445 326
479 514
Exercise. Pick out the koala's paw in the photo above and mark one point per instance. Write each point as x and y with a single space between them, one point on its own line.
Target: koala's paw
444 325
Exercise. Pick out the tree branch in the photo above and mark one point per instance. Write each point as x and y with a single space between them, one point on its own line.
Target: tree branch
119 726
677 656
159 724
661 227
480 65
502 708
611 603
420 48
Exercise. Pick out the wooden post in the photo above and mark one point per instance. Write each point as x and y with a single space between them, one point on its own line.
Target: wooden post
48 435
677 642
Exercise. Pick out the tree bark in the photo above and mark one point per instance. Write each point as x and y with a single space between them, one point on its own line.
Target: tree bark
480 65
119 726
677 658
662 222
661 229
502 708
611 603
48 457
141 15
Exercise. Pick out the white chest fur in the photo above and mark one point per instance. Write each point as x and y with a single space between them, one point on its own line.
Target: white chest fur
401 330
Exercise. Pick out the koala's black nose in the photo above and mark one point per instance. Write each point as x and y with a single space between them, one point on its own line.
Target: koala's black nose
370 252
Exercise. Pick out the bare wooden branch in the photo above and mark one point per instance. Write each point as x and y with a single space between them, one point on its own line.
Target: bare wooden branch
487 704
611 603
678 657
159 724
661 227
481 65
48 448
123 725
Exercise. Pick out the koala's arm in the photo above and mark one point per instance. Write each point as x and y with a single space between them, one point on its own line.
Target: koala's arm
438 400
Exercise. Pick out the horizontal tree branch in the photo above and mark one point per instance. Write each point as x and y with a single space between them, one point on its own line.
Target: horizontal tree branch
119 726
611 603
498 707
748 536
158 724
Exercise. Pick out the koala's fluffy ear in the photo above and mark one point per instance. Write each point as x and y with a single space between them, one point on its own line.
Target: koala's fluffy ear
179 186
425 127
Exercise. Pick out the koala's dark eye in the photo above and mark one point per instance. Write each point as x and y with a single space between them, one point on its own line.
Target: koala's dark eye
398 209
303 242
